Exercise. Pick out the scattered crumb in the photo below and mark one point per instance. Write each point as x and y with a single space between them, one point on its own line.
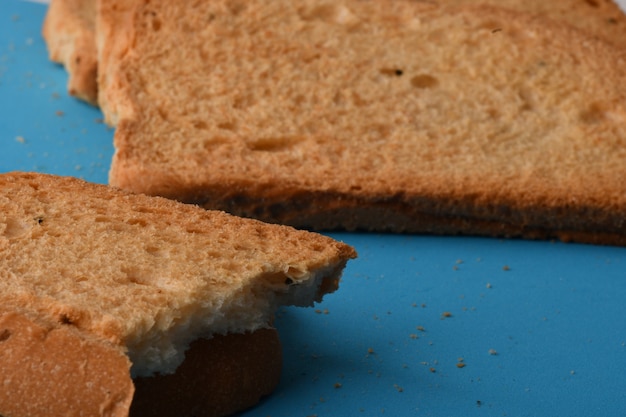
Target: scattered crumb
423 305
20 139
99 120
414 305
318 311
398 388
78 167
455 268
445 315
15 17
460 365
459 261
478 403
337 385
413 336
572 372
405 366
421 328
56 95
493 352
59 113
488 285
325 311
433 370
506 268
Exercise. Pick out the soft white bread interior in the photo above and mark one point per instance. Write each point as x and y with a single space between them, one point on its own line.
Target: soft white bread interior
383 115
145 275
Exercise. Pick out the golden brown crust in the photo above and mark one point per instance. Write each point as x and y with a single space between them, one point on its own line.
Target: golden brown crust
69 33
55 370
219 377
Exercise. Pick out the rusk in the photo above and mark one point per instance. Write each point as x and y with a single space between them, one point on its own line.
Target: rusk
69 33
387 115
98 285
70 26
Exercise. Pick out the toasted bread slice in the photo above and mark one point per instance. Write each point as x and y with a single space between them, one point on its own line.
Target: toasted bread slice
387 115
70 25
69 32
107 279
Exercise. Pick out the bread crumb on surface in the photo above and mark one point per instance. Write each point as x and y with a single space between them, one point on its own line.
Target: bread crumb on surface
445 315
20 139
493 352
506 268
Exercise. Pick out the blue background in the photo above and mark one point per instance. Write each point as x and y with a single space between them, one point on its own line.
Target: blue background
553 313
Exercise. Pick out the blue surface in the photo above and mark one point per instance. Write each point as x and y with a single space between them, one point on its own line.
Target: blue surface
553 314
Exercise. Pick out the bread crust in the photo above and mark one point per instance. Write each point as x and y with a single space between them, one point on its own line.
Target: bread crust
74 374
220 376
53 370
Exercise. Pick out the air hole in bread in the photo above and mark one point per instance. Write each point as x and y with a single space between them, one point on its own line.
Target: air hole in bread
330 13
156 251
134 276
424 81
200 124
236 7
5 335
391 71
139 222
273 144
595 113
226 126
14 228
295 273
156 24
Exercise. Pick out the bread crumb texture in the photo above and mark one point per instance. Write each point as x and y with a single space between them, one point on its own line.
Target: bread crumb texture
148 273
391 115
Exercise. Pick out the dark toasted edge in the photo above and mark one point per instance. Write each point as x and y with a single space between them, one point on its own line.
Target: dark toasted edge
548 217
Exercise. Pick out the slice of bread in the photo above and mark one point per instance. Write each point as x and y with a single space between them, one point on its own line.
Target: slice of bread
70 25
69 33
99 285
387 115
